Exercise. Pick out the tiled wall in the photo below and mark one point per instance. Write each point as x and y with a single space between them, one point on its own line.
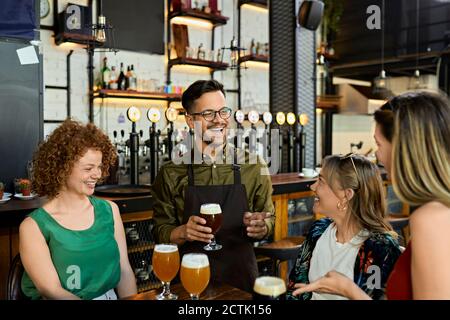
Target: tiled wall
255 80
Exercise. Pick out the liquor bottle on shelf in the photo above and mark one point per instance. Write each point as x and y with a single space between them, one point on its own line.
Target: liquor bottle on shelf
213 5
105 74
252 48
258 48
178 5
132 79
201 52
113 78
219 55
121 79
127 78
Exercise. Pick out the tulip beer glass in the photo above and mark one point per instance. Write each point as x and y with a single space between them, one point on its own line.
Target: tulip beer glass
212 213
166 262
195 273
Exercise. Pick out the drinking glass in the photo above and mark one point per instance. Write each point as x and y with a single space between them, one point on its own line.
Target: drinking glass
212 213
269 288
166 262
195 273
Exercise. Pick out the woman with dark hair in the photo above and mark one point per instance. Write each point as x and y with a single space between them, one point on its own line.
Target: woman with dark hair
355 239
74 247
413 137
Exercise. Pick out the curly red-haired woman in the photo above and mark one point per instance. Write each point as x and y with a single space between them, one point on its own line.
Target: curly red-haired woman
74 247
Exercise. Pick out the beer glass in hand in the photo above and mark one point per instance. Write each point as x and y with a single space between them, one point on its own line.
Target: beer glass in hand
269 288
212 213
166 262
195 273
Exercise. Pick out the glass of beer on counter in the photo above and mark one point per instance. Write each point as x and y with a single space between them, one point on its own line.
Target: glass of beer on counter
269 288
212 213
195 273
166 262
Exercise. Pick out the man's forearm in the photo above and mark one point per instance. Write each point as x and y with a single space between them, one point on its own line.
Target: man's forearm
178 235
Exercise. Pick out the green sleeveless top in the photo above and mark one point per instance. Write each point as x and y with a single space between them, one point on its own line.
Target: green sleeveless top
87 261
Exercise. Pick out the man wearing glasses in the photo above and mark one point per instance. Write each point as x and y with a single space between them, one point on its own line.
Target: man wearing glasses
244 194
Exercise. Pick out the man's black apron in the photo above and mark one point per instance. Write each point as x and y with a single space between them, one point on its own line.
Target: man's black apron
235 263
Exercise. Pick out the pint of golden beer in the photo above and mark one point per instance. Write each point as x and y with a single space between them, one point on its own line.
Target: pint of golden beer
166 262
195 273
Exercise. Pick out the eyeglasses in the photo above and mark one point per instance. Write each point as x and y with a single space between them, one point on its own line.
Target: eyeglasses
350 155
210 115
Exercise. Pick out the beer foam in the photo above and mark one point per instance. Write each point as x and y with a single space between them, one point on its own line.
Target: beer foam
210 208
166 248
269 286
195 260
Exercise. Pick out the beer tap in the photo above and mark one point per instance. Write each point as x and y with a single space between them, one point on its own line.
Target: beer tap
291 119
253 118
123 143
134 114
153 115
141 146
239 116
171 116
280 119
115 138
267 119
303 121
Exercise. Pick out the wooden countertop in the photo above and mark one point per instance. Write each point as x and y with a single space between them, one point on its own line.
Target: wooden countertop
19 205
290 182
290 178
215 291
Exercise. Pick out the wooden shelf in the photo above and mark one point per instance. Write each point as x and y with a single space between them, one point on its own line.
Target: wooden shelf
256 3
257 58
215 19
141 246
77 38
199 63
130 94
328 102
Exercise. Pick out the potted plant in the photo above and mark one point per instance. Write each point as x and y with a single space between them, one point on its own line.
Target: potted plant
331 19
2 190
25 187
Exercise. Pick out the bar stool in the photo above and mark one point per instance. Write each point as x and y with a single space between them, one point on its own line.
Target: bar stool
14 290
279 251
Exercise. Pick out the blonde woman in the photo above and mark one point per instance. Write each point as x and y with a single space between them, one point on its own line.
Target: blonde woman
355 239
415 129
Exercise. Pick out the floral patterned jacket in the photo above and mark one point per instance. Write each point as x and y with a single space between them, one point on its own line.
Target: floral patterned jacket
380 250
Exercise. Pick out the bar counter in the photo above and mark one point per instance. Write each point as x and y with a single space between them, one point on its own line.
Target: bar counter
282 183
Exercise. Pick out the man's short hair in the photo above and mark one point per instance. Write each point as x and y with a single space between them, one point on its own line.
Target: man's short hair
196 90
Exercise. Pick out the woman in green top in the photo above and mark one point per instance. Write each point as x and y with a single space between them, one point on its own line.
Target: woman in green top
74 247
